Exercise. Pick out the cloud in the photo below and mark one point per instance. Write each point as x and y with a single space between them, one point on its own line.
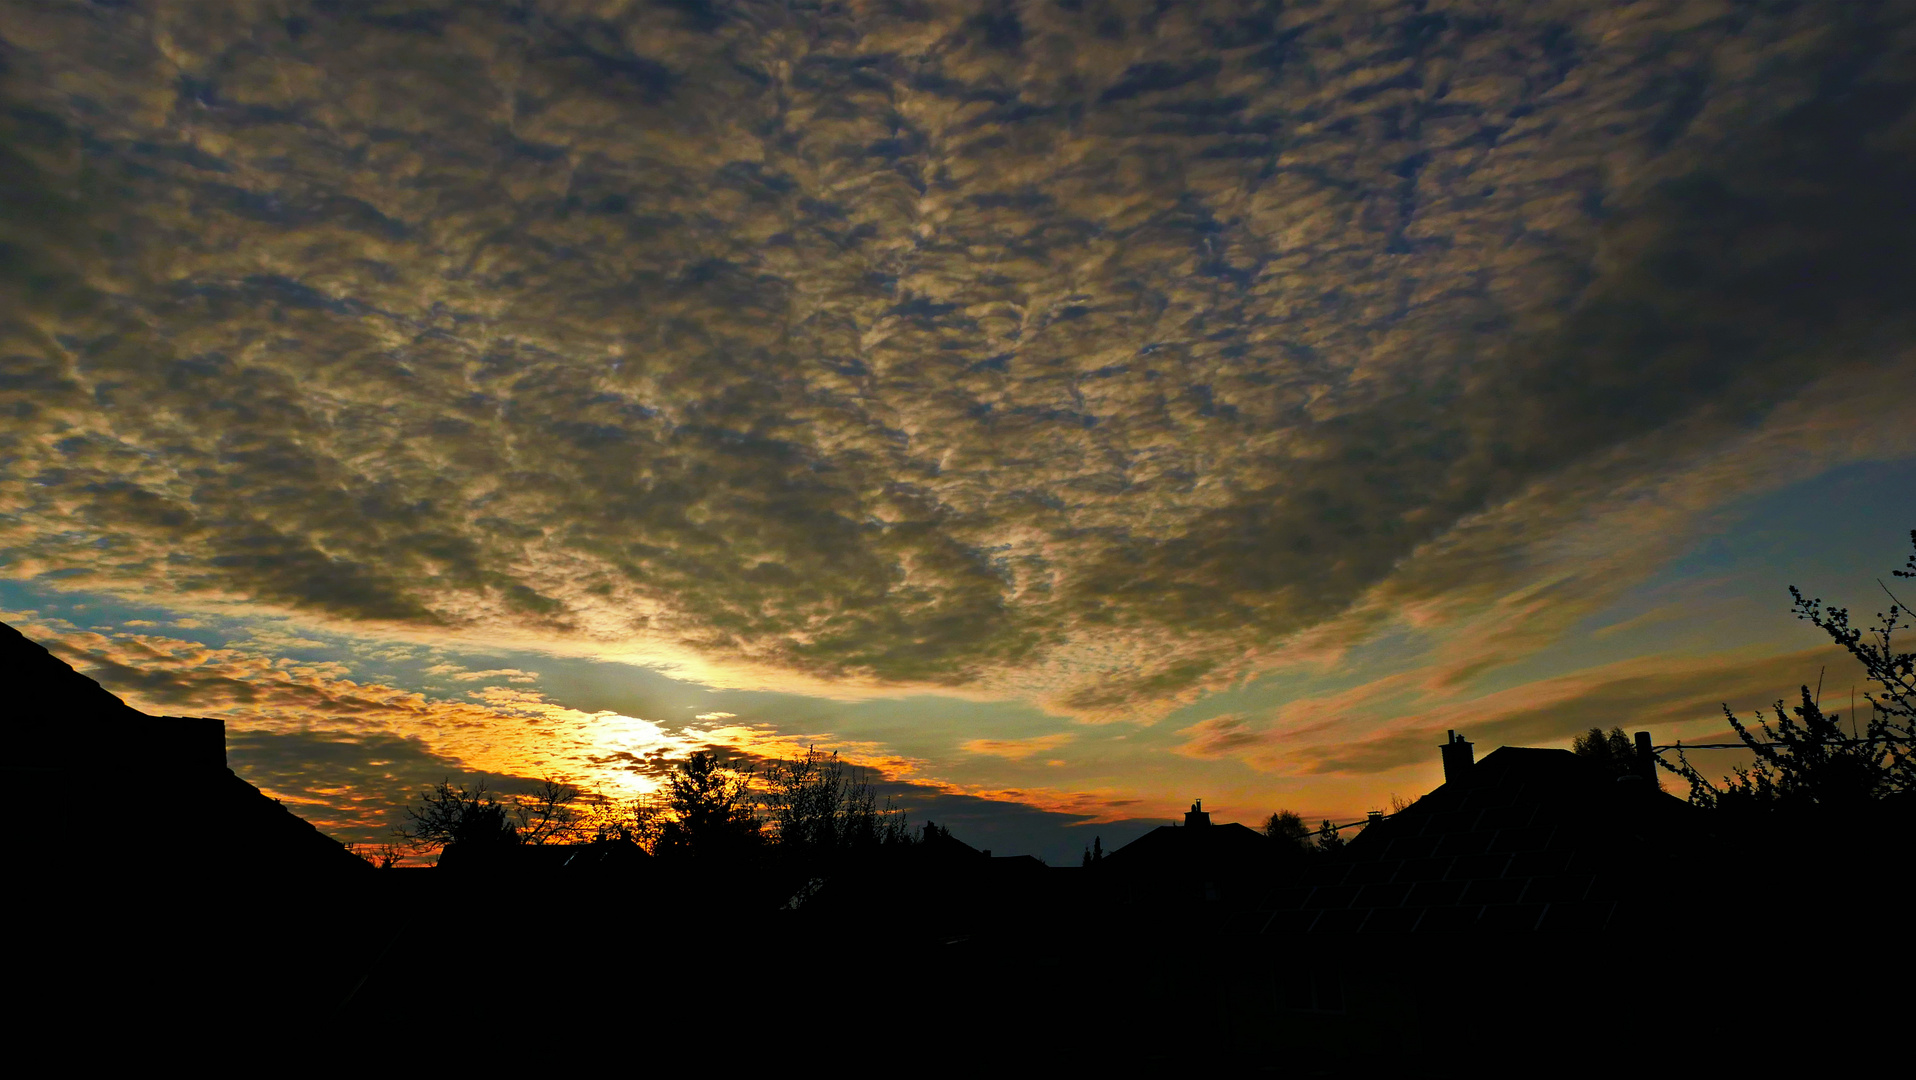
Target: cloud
1674 697
276 709
352 785
513 675
1018 749
350 757
1132 348
1219 736
502 731
1101 806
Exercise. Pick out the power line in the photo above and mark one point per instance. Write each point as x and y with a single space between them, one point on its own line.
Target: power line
1749 746
1372 820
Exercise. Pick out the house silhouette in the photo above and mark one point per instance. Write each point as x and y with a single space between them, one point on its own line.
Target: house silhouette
1215 867
1526 840
154 890
139 796
1515 898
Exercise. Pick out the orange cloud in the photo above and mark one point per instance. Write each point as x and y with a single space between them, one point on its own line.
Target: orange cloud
1017 749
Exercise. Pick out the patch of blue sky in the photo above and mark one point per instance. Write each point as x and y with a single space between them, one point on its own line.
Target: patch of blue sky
1833 536
113 614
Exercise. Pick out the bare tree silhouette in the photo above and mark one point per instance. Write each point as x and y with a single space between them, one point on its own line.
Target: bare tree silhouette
1893 704
817 807
1809 761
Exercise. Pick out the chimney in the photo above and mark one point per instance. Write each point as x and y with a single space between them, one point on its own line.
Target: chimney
1457 759
1196 815
1646 759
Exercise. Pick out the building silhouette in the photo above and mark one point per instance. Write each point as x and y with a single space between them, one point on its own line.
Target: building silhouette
1526 840
1196 866
141 796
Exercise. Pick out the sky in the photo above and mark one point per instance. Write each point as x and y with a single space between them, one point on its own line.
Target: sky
1061 410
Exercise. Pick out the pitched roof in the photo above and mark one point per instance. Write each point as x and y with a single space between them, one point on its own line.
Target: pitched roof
1173 846
52 714
38 682
1530 840
67 742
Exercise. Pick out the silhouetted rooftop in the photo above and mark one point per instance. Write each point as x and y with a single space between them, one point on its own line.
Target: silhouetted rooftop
1529 840
154 790
1176 845
54 715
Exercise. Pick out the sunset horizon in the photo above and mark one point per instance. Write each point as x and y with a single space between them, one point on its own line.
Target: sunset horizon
1061 412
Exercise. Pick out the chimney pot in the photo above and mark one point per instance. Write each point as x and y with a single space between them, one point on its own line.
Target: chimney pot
1458 759
1646 759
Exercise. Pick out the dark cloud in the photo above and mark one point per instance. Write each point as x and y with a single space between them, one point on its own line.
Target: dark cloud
906 346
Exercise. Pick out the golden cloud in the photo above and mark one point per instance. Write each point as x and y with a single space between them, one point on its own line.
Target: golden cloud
1017 749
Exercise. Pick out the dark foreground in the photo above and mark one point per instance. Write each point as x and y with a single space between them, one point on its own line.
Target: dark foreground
461 970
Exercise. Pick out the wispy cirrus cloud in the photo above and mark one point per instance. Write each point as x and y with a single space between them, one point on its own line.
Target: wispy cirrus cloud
1676 697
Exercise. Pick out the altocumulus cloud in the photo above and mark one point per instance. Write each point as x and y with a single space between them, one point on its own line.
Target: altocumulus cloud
932 347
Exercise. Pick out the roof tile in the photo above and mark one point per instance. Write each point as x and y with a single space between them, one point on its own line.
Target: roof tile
1433 893
1331 896
1392 920
1470 843
1290 922
1367 873
1502 917
1487 798
1381 896
1413 847
1448 920
1532 863
1326 874
1479 866
1506 817
1590 915
1424 869
1494 891
1340 922
1566 887
1531 839
1288 899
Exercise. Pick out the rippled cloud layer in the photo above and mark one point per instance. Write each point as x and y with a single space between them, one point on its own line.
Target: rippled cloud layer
1095 351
